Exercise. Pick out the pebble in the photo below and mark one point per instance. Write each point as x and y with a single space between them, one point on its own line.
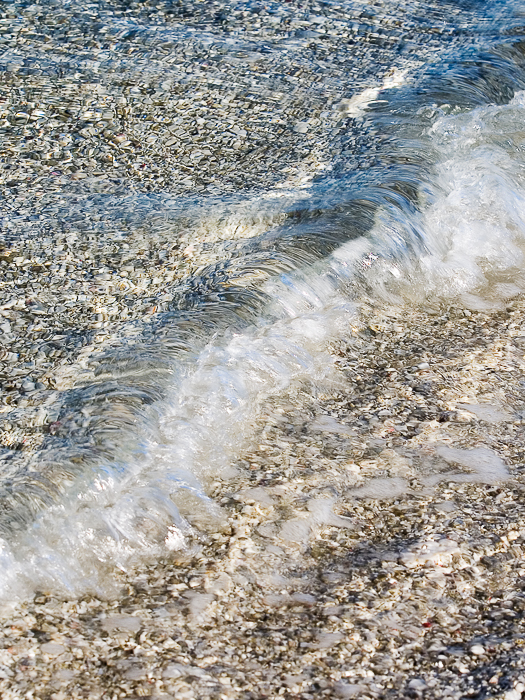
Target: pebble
477 649
122 622
52 648
342 689
513 694
301 127
27 385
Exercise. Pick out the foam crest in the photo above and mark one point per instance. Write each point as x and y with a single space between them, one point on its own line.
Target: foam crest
472 232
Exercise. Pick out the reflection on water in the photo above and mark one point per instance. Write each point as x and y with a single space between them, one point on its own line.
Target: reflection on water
289 163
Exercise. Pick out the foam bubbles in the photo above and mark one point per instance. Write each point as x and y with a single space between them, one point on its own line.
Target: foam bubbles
486 466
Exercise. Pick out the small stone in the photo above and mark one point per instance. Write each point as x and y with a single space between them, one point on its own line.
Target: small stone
52 648
199 603
301 127
514 694
220 585
477 650
291 681
27 386
347 690
445 507
327 640
172 671
129 623
135 673
304 598
65 674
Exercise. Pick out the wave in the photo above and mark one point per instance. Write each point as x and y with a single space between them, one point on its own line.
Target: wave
161 410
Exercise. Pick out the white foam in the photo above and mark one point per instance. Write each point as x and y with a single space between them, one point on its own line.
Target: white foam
486 412
438 553
469 246
485 465
356 105
382 488
473 230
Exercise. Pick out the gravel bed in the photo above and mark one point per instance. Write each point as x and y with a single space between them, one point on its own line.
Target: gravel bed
139 143
312 585
359 555
125 128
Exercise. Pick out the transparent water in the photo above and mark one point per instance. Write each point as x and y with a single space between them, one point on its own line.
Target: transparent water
407 187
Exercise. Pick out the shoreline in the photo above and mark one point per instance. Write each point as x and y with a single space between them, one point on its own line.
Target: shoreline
314 586
370 543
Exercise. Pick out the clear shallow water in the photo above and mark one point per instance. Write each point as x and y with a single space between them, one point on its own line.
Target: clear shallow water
418 197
